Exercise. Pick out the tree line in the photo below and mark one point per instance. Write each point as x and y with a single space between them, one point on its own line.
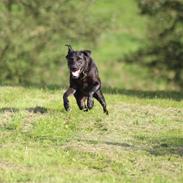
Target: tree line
164 50
33 34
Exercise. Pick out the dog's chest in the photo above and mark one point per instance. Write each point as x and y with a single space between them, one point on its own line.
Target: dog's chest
84 84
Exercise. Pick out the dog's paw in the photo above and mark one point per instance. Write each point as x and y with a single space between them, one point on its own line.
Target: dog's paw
106 112
85 109
67 108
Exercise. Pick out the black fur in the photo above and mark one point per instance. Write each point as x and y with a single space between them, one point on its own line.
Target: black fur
85 83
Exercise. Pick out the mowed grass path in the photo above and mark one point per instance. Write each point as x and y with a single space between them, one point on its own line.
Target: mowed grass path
140 141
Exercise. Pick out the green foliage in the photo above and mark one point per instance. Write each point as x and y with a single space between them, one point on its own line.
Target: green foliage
33 33
164 52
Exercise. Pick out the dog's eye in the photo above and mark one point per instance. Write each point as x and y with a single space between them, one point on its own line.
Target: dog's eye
78 59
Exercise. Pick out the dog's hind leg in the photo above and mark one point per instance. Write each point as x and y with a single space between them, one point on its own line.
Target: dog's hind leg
99 96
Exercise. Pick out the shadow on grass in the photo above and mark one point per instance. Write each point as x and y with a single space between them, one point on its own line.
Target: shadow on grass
174 95
161 146
105 142
54 140
156 146
37 109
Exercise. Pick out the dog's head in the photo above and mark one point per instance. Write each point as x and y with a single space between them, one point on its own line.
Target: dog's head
76 61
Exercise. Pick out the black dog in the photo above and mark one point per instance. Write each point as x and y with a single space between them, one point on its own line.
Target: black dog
84 80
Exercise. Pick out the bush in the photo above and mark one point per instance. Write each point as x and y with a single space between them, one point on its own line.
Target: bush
164 53
33 34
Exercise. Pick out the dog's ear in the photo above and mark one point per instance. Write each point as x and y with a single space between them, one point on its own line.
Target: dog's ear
86 52
69 48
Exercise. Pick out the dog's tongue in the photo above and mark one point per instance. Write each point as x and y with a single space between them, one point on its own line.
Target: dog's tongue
76 73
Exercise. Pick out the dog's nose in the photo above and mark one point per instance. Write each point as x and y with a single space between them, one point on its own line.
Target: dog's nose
73 67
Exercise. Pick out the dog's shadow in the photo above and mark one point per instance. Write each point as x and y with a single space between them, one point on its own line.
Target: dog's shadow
37 109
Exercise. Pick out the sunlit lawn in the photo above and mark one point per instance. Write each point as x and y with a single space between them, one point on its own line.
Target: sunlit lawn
140 141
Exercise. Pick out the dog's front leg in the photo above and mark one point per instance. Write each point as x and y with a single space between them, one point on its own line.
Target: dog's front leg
70 91
90 101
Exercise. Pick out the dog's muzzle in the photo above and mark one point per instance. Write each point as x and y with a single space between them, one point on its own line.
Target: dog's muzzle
75 74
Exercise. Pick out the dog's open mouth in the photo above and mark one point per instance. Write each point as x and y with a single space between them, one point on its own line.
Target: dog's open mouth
75 73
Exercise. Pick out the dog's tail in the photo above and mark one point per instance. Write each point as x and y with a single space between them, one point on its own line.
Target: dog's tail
69 47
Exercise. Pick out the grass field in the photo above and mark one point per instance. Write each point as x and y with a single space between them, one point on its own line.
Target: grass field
140 141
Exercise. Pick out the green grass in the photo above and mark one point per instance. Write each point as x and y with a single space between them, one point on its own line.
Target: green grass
140 141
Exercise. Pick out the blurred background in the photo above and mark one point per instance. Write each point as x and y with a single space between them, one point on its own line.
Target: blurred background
136 44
